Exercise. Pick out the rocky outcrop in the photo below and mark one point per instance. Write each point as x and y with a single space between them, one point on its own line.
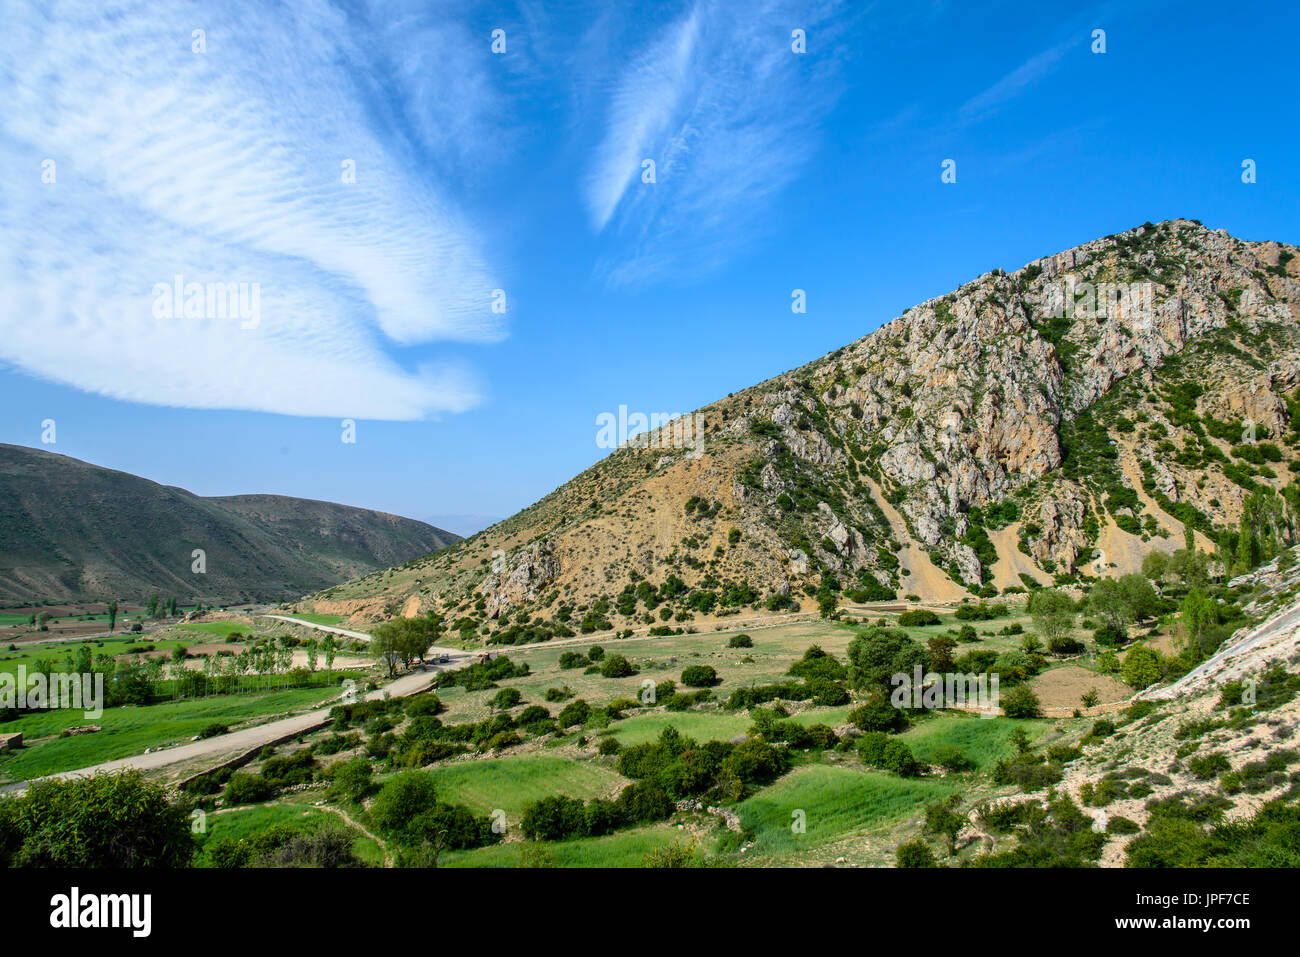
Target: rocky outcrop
1101 394
521 580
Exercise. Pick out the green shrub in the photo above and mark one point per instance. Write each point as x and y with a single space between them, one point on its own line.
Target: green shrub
877 714
554 819
575 712
1021 702
1141 667
915 854
507 698
245 788
1208 765
951 759
297 768
349 780
881 751
616 666
918 617
699 676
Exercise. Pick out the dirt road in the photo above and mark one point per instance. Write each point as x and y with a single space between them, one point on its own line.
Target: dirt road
245 739
358 635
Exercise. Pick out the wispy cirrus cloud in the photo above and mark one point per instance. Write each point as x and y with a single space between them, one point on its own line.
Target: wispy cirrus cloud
1010 86
226 166
728 112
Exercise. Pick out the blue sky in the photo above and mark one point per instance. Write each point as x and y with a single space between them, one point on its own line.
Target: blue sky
522 172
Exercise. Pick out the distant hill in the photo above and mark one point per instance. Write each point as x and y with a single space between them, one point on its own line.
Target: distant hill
73 531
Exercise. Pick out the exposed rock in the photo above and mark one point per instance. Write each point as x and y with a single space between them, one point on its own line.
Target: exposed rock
522 583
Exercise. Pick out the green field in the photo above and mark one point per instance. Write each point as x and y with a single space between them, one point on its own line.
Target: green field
129 730
983 740
58 652
510 783
707 725
245 822
836 803
849 811
223 628
624 849
657 660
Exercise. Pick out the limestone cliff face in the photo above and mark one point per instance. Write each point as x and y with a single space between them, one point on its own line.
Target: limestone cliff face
1080 411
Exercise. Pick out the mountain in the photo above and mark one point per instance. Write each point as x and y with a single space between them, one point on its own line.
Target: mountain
73 531
1049 424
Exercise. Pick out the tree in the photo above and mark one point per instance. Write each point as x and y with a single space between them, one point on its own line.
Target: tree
1120 601
330 647
826 602
1141 667
1199 612
1140 599
102 821
313 654
417 638
1154 566
1090 698
941 648
942 820
1106 600
384 642
404 639
1053 613
112 615
1189 567
877 654
153 606
1247 551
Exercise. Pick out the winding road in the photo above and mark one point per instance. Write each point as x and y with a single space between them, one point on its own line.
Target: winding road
259 735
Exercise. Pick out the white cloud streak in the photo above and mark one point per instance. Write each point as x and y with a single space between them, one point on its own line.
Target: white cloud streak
226 167
728 112
1011 85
